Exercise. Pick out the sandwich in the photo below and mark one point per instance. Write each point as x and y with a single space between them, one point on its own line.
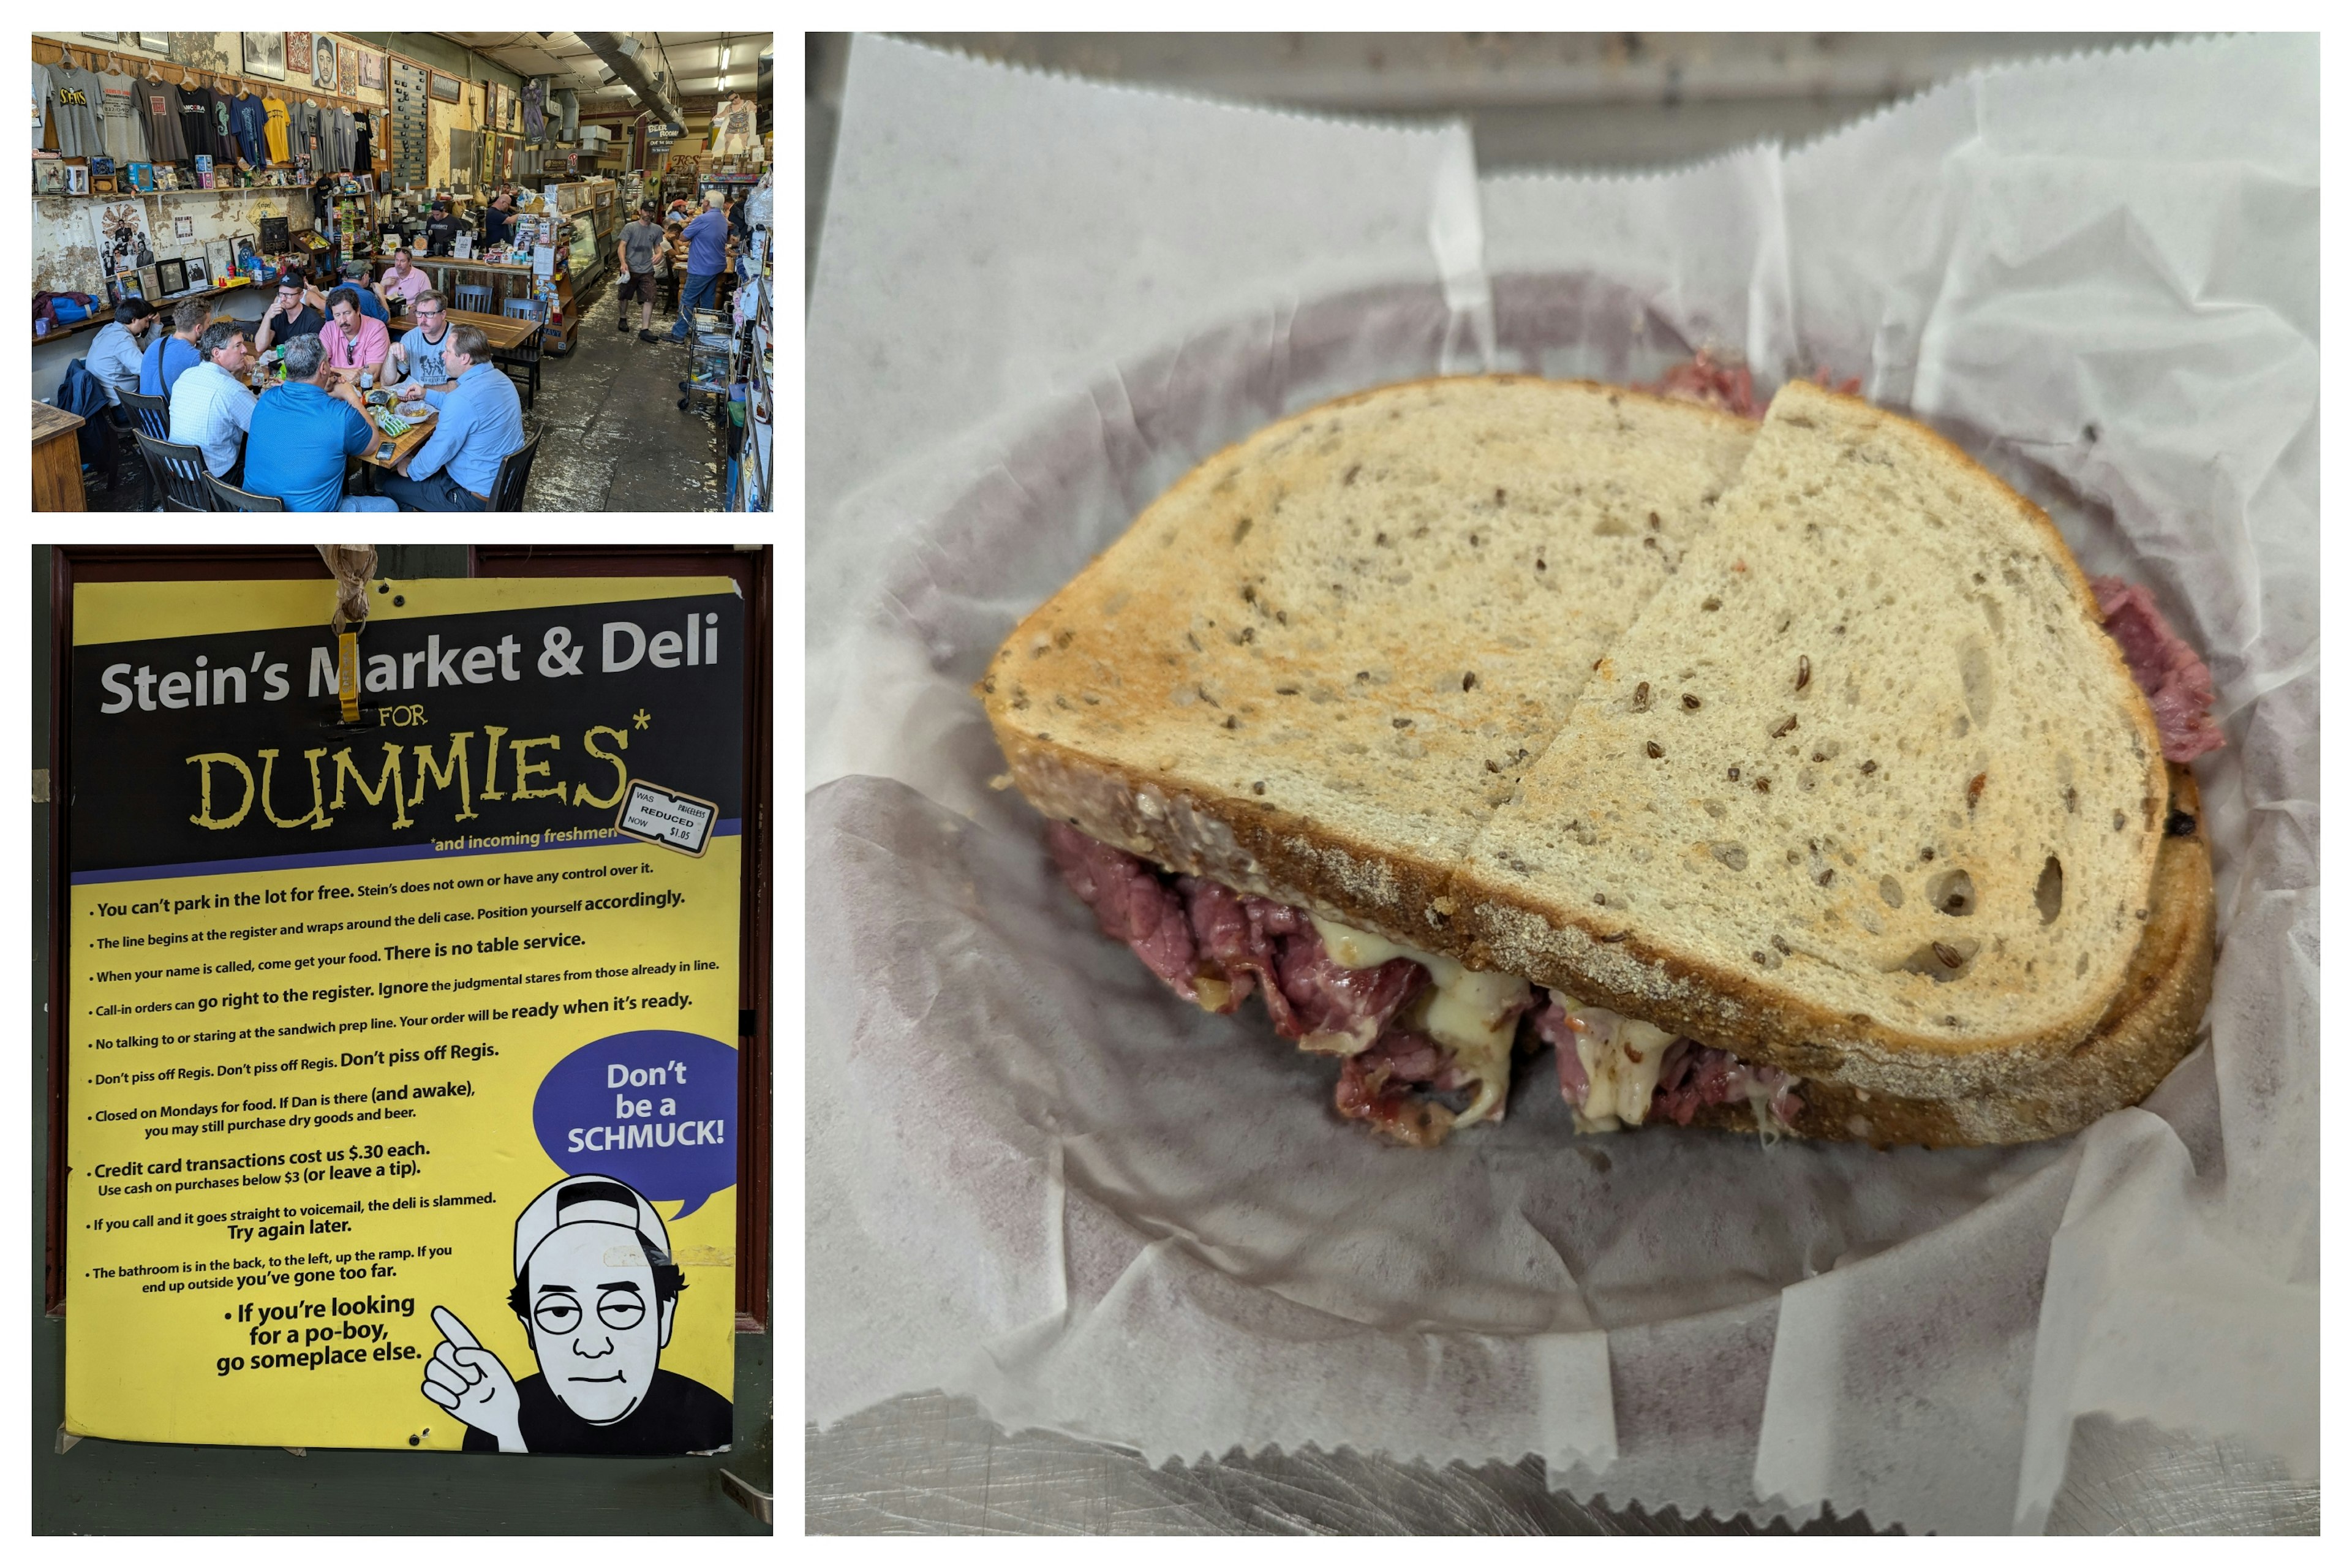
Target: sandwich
1781 773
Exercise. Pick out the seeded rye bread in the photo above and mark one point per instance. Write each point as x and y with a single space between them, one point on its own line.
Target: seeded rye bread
1866 788
1189 750
1322 658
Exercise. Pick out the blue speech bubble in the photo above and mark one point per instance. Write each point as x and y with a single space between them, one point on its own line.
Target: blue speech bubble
655 1107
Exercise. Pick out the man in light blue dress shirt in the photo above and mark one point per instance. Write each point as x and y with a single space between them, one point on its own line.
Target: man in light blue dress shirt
481 425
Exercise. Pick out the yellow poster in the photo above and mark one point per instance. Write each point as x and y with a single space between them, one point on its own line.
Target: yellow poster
402 1099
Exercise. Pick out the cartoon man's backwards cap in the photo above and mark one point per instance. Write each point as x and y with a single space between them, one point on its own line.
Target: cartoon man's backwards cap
587 1200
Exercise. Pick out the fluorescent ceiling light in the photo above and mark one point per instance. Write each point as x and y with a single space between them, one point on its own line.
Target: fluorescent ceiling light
723 53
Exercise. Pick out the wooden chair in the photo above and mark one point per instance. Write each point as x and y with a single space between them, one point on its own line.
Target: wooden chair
153 413
231 499
514 475
179 473
154 416
474 297
525 355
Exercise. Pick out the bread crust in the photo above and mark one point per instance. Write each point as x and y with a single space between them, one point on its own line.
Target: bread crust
2151 1023
1868 1086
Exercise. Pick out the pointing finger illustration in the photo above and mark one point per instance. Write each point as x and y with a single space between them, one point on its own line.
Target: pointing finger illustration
455 1332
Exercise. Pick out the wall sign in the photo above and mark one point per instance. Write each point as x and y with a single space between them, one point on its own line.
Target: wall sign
402 1085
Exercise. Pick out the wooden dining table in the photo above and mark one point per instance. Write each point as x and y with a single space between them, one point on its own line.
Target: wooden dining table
419 431
503 331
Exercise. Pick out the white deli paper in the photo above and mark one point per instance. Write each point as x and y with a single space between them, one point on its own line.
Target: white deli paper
1037 1177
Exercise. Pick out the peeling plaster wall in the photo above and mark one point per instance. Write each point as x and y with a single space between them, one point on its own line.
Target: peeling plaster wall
65 240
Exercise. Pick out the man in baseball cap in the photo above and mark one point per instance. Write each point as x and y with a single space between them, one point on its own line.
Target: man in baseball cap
597 1293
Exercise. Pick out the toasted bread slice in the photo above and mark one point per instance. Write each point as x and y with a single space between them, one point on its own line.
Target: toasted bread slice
1866 793
1316 666
2151 1023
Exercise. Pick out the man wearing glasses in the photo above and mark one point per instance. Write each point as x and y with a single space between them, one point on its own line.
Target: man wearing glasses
417 356
597 1295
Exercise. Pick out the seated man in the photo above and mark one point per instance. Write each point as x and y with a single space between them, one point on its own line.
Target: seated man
114 353
303 430
416 357
355 344
356 279
481 425
405 281
172 352
299 311
211 405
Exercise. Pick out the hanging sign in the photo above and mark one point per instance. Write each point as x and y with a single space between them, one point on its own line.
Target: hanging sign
402 1100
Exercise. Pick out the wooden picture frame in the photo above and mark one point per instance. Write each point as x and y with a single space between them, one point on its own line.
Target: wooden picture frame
448 89
264 56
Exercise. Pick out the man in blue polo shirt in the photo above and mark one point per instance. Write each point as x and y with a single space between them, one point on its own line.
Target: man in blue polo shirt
302 433
707 247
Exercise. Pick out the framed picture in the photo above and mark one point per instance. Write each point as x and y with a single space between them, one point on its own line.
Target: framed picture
220 259
155 43
103 37
199 273
151 285
371 69
48 177
351 71
172 277
184 227
298 55
444 87
123 245
264 56
76 179
322 63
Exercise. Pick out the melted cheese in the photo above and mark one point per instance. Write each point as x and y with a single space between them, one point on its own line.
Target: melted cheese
1470 1012
1621 1063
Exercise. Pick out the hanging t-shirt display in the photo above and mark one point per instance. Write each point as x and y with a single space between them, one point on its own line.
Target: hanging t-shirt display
274 129
159 100
224 148
251 122
197 121
125 125
362 143
74 96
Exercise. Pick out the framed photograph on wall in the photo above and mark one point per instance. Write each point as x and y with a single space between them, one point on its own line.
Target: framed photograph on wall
199 273
155 43
171 277
371 69
444 87
297 56
322 63
220 259
123 245
264 56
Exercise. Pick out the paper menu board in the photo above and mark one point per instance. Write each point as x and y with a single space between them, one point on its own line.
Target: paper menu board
366 1021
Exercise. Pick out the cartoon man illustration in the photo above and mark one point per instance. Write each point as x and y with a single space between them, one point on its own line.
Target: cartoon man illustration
597 1295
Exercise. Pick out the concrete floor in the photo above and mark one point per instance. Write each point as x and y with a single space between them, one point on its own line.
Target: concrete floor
612 438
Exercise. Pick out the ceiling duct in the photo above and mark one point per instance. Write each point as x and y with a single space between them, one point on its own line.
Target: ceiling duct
625 65
569 102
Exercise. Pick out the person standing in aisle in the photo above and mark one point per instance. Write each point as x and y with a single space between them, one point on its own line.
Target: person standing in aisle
160 99
641 242
125 126
707 247
73 97
497 223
